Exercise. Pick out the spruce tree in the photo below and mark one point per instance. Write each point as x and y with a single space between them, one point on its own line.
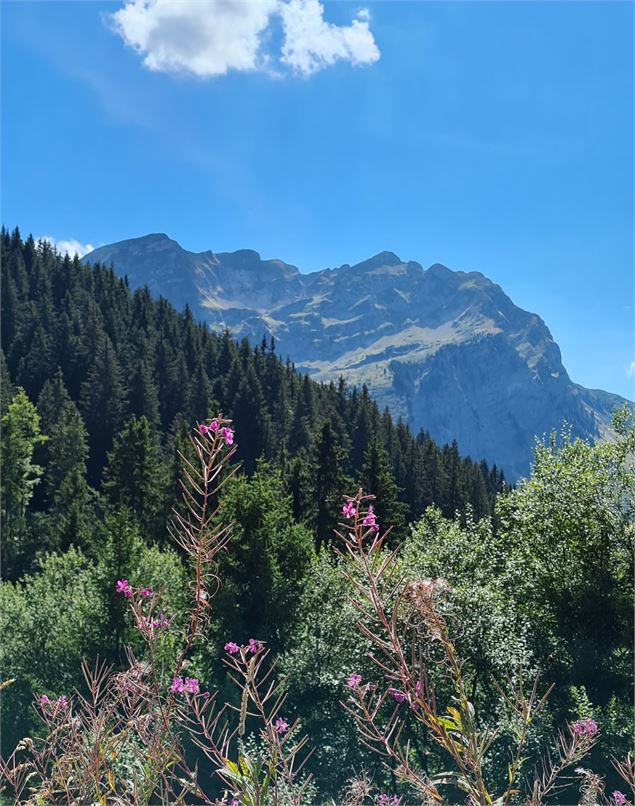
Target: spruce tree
304 415
67 493
134 476
377 479
328 483
102 405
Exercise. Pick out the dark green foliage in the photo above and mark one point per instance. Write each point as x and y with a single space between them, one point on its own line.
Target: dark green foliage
102 403
134 477
377 479
7 389
67 495
265 563
329 483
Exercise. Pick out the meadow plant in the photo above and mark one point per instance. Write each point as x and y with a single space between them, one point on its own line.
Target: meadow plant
409 635
122 739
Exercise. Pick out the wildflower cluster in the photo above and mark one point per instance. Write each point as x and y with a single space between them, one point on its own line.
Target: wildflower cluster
584 727
149 624
354 680
124 588
351 511
348 510
211 430
252 646
187 685
52 706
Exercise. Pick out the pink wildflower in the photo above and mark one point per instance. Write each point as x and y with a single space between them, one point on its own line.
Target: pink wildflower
254 646
591 727
228 436
145 592
386 800
348 510
585 727
205 694
203 428
371 519
181 686
281 726
354 680
59 704
123 587
618 798
213 426
397 695
231 647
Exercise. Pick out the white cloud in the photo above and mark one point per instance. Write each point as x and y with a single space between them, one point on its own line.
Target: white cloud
311 43
631 369
204 37
70 247
211 37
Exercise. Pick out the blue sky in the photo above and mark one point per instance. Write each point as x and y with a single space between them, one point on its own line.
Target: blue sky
491 136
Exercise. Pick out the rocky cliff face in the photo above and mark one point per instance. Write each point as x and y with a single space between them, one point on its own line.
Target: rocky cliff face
446 350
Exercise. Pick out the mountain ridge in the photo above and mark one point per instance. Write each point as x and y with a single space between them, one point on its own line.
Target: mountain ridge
446 350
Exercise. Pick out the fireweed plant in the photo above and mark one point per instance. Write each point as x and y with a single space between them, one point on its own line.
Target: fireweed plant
405 625
124 740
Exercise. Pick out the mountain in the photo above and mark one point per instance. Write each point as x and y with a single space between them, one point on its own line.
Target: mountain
448 351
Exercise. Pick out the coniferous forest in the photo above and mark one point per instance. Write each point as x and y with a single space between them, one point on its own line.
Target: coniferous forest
102 391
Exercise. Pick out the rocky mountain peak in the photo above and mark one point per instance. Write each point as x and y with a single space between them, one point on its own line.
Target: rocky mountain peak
447 351
378 262
440 271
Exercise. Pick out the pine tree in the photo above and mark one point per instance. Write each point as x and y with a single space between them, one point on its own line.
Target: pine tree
134 476
328 483
299 483
102 405
304 415
170 392
265 562
377 479
362 430
251 420
67 494
143 400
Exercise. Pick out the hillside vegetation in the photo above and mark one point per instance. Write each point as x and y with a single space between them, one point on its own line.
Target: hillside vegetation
424 640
